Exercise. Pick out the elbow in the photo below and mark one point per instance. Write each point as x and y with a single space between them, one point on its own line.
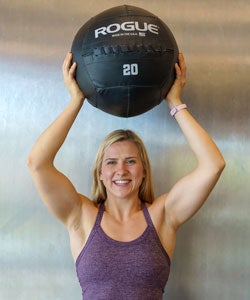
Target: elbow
33 163
37 161
219 166
222 164
214 168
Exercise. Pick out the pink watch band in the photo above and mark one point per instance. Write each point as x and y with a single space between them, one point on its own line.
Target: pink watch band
175 109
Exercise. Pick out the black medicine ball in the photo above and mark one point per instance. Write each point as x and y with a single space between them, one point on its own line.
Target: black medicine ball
125 57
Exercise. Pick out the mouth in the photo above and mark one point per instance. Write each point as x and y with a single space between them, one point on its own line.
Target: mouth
122 182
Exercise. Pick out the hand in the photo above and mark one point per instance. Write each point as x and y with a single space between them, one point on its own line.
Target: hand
173 97
69 78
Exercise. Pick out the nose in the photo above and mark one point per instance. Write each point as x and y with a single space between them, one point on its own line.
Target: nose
121 169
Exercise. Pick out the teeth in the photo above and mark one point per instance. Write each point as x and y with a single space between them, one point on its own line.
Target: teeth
121 181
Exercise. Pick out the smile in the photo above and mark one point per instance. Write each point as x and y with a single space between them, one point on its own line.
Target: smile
121 181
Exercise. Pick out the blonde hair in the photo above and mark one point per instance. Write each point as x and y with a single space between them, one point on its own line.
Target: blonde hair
146 193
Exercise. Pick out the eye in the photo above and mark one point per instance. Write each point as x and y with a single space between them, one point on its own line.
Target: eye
111 162
131 161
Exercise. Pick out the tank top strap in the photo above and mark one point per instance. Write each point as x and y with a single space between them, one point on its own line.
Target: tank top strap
99 215
102 208
147 215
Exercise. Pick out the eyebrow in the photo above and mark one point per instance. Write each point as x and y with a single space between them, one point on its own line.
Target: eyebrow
129 157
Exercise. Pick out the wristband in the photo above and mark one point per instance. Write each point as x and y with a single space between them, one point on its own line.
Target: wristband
177 108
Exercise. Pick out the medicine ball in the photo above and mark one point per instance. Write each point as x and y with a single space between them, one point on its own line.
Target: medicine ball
125 60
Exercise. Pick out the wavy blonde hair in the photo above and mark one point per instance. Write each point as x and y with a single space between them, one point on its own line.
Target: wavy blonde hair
146 192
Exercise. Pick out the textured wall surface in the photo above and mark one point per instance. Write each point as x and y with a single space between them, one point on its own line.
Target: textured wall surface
212 258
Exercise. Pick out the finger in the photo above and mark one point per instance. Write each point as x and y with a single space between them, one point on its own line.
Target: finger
72 69
182 64
178 70
67 61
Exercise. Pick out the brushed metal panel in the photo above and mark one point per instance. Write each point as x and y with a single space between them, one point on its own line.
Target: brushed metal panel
212 257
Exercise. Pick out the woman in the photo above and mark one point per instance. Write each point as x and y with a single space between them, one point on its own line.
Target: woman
124 240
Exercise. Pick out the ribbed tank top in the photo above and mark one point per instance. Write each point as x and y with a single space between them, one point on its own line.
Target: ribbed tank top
111 270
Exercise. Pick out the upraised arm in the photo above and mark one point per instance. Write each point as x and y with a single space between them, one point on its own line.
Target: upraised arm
189 193
55 189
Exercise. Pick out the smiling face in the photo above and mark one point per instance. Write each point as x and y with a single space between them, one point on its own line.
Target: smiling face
122 171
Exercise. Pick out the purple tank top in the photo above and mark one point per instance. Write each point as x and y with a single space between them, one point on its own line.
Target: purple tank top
111 270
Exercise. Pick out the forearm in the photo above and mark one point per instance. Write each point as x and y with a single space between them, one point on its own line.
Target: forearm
182 202
200 142
50 141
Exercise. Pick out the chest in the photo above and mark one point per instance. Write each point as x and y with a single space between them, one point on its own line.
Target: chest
123 231
137 262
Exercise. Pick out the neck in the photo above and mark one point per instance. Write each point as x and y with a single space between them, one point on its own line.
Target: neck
122 209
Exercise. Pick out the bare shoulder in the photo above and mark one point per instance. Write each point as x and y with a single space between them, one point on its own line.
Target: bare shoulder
84 214
157 210
161 212
161 220
82 224
159 203
89 208
87 202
